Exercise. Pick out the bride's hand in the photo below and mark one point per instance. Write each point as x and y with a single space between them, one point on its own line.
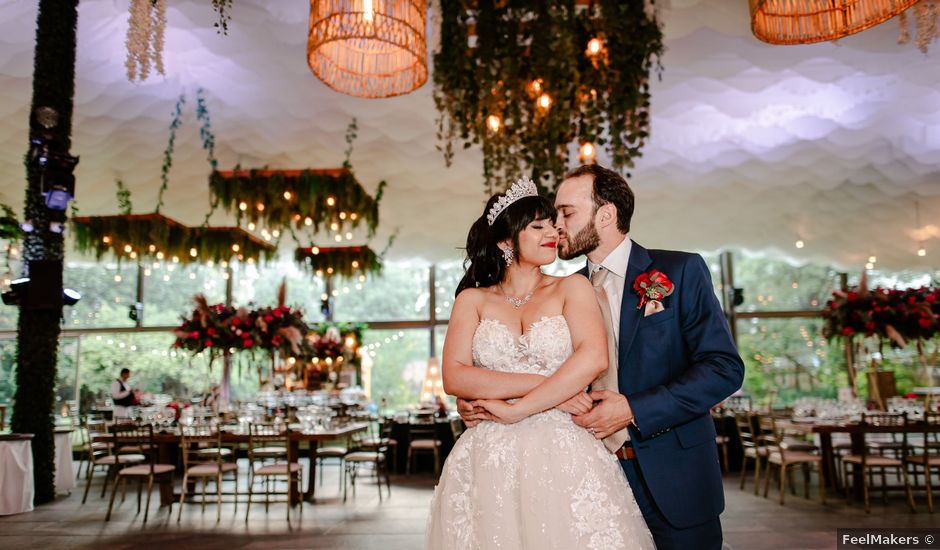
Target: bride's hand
501 411
581 403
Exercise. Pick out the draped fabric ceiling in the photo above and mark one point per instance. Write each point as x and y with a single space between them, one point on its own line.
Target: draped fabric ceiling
753 146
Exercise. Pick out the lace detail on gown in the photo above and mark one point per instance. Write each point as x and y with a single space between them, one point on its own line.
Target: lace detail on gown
542 483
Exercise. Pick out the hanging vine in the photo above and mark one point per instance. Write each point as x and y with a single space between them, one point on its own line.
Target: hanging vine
529 81
168 152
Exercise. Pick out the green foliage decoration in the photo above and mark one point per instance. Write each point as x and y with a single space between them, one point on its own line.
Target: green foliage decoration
497 57
262 194
344 261
160 237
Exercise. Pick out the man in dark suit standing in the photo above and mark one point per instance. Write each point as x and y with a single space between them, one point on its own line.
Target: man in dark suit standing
673 359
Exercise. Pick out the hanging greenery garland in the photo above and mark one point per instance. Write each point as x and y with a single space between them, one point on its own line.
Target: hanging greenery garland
158 237
168 152
346 261
528 81
281 199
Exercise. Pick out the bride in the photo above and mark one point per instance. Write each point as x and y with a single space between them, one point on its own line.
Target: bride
527 478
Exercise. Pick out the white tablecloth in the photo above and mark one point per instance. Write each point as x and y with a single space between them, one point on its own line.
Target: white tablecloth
16 477
64 471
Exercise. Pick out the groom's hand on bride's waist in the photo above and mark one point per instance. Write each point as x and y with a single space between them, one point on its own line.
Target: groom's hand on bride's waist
579 404
611 413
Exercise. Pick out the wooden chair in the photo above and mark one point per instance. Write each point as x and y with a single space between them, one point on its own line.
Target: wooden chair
376 456
926 462
101 454
203 456
92 427
268 438
422 438
721 439
752 447
133 436
784 458
871 463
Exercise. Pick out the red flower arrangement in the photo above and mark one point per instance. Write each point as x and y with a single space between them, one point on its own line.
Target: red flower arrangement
898 315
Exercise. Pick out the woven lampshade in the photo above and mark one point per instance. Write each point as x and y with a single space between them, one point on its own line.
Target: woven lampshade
807 21
368 48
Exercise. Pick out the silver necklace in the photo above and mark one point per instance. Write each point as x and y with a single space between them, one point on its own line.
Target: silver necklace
516 303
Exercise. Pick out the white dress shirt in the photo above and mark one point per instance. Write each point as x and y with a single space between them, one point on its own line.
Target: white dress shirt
616 262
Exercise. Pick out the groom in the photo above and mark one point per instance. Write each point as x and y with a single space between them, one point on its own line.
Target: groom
675 360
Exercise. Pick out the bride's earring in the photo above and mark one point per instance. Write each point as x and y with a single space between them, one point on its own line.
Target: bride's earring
508 256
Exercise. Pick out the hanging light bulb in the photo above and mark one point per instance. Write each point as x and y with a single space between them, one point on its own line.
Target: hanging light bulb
193 252
587 153
869 266
800 243
338 238
872 259
160 255
260 207
334 226
354 216
287 195
329 270
106 239
355 264
545 102
127 248
330 201
342 215
494 123
348 236
315 250
921 251
251 226
117 278
243 206
133 255
235 248
534 88
152 247
308 221
594 47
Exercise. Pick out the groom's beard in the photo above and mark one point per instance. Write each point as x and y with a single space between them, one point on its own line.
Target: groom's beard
583 242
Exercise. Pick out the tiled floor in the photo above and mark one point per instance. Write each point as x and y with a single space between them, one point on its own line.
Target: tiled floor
750 522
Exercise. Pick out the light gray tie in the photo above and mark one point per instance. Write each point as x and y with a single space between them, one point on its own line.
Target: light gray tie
608 380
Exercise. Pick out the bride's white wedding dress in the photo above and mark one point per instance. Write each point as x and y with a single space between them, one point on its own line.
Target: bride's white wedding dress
542 483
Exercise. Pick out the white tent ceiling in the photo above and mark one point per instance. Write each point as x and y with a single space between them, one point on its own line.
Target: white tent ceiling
753 146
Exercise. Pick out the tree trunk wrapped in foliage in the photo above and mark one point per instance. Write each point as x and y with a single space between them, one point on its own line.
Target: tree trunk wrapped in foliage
38 330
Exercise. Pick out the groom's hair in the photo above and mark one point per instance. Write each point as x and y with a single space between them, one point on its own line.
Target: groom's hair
609 187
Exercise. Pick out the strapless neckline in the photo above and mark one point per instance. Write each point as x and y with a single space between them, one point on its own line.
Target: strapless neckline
521 339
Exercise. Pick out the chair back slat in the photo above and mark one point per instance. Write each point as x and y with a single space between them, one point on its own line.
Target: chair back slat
743 423
196 438
932 433
268 435
129 434
881 420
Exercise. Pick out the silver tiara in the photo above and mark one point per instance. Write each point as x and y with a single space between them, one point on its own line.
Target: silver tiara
524 187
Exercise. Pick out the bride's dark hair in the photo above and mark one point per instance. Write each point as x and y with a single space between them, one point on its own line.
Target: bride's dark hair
484 265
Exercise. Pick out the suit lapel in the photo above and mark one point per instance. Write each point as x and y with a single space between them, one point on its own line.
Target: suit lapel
629 314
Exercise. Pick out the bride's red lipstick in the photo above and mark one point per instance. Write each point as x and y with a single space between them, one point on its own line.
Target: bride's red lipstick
550 245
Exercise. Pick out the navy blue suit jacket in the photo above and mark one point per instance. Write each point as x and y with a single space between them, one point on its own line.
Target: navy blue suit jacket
674 366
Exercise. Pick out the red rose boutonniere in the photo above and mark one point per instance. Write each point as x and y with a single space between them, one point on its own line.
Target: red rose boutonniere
652 287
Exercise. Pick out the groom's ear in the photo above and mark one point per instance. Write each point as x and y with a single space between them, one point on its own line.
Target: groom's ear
606 215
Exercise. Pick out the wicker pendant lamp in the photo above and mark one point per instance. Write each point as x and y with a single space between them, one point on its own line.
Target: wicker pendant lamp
807 21
368 48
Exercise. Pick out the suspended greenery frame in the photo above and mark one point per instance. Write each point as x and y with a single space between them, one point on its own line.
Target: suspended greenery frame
163 238
344 261
497 58
281 199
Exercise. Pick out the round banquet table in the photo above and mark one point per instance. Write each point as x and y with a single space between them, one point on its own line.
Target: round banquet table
16 474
